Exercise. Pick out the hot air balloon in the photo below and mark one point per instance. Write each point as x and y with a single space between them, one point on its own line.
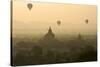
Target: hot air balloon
86 21
29 5
58 22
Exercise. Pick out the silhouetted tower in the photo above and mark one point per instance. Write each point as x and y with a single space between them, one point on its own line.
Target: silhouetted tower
79 36
50 34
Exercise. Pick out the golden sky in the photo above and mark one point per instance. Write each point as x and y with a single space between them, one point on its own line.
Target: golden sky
42 15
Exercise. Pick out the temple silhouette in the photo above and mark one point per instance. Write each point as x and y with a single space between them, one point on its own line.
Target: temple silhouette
49 40
49 35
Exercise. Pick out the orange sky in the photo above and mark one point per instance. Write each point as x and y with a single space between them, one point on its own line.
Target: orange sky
42 15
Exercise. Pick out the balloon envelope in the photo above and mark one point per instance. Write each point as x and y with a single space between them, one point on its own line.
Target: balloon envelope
29 5
86 21
58 22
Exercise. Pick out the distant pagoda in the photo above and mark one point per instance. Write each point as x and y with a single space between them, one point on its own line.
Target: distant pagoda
79 36
48 37
49 41
49 34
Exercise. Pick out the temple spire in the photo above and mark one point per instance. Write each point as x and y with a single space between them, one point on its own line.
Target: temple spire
50 34
50 30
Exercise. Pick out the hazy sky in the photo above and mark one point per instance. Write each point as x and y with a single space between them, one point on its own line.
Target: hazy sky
42 15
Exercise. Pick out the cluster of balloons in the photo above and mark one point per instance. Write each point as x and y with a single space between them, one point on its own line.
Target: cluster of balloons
59 22
30 5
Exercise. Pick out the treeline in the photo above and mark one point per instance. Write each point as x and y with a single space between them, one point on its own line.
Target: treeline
32 54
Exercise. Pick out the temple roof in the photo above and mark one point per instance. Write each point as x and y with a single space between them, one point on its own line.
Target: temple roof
50 34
